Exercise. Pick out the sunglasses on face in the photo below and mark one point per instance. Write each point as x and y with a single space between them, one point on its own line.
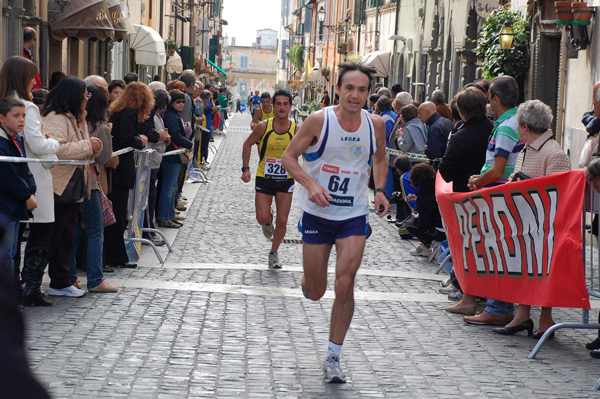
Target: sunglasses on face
180 102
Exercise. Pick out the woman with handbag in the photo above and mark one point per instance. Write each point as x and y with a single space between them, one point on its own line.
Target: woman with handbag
64 120
171 164
16 79
127 114
91 214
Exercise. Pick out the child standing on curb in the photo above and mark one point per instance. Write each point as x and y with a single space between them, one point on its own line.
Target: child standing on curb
17 186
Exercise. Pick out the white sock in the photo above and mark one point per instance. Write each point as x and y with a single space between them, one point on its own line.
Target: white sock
333 349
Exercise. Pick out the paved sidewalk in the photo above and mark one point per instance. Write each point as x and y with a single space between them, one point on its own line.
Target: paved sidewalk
213 321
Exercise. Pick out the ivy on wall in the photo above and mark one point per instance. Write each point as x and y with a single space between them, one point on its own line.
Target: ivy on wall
496 62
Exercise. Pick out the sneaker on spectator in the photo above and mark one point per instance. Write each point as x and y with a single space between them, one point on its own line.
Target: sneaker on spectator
181 201
333 372
274 262
455 296
181 208
179 217
169 224
419 251
158 241
71 291
448 290
103 287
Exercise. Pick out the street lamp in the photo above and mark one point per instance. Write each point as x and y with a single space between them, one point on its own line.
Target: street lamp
321 14
62 4
507 34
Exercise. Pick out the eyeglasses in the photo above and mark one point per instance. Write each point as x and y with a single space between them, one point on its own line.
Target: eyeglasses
180 102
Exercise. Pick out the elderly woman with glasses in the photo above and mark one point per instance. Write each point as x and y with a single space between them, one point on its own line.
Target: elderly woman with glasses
541 156
171 164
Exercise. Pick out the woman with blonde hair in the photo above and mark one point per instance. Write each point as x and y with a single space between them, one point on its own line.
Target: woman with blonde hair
127 113
17 78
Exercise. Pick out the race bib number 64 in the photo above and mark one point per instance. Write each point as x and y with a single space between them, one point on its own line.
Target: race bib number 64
341 183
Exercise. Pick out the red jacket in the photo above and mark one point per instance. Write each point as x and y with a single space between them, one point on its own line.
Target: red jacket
38 79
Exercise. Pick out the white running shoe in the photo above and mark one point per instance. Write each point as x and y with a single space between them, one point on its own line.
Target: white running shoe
333 372
71 291
274 262
418 250
268 229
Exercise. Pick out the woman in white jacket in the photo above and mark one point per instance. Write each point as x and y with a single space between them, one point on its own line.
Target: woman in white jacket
17 79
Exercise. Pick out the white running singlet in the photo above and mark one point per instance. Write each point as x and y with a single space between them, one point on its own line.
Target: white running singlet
340 162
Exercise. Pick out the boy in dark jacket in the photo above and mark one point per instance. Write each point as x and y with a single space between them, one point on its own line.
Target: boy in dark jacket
17 187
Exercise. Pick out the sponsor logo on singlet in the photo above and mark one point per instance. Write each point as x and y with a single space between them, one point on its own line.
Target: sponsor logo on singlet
358 150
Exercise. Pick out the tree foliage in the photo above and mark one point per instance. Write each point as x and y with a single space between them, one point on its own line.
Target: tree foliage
496 62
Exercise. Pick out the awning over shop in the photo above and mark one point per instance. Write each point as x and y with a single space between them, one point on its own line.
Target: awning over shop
313 77
83 19
219 69
174 64
117 19
148 45
380 60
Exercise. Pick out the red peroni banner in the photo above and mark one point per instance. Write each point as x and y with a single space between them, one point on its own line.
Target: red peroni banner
519 242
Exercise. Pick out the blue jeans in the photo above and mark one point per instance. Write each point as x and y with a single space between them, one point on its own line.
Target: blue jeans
166 204
9 249
499 308
93 219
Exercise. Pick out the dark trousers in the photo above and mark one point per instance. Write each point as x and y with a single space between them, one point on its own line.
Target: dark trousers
151 207
39 237
61 244
426 237
114 245
204 143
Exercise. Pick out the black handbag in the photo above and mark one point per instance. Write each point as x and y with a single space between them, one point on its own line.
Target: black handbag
75 189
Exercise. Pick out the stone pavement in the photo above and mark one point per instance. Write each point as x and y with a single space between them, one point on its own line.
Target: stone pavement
213 321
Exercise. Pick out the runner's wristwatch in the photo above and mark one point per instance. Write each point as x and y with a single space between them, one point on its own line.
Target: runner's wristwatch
245 168
381 190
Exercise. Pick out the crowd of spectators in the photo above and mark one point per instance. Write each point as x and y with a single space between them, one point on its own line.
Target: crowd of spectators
484 138
65 206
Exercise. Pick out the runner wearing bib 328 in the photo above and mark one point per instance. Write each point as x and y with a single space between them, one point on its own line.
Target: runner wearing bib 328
272 180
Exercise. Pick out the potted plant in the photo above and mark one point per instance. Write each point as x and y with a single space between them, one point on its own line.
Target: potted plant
171 46
581 12
197 63
325 72
342 47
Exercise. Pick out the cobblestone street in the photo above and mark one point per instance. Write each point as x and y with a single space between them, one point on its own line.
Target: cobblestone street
214 321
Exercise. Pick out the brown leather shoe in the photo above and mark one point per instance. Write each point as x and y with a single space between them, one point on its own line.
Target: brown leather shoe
464 310
485 318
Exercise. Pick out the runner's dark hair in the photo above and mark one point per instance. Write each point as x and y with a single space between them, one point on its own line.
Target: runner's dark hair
265 95
346 67
282 92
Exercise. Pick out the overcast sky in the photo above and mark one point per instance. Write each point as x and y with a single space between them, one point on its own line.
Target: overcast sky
246 17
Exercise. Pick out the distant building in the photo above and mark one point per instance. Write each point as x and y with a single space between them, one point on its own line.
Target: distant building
253 67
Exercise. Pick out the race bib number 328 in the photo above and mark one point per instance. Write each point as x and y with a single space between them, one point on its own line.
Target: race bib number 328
274 169
340 182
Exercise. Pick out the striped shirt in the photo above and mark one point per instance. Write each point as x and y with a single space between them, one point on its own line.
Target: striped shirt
505 142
